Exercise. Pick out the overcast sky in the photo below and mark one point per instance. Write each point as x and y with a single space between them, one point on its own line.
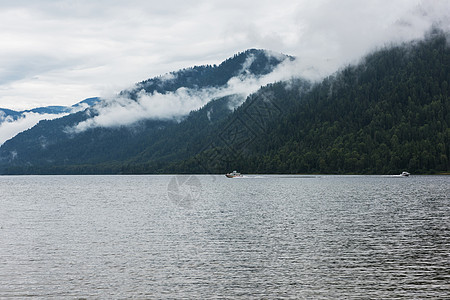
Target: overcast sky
58 52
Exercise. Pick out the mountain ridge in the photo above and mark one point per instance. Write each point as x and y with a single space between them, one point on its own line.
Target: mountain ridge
53 109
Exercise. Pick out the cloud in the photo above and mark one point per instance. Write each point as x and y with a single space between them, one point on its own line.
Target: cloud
122 111
57 52
331 34
10 127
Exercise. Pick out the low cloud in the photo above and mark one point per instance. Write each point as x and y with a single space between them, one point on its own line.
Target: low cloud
10 127
332 33
122 111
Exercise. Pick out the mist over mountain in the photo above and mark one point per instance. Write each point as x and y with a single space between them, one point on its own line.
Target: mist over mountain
51 110
173 95
122 126
386 114
13 122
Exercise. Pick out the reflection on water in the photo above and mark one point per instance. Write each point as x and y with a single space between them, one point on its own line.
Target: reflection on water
313 237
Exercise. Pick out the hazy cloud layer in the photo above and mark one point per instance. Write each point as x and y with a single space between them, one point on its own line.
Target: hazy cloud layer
121 111
58 52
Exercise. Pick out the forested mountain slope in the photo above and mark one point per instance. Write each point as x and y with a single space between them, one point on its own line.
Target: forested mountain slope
387 114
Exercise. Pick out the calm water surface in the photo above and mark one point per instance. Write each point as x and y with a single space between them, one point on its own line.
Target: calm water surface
201 237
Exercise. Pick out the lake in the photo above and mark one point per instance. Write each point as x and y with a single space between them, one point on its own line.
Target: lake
203 237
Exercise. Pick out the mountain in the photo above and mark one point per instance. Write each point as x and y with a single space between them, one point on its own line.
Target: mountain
250 62
384 115
389 113
13 122
55 143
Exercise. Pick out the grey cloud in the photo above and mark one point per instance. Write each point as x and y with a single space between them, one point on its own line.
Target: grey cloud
334 33
10 127
57 52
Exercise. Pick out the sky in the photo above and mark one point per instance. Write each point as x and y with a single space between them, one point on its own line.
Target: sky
59 52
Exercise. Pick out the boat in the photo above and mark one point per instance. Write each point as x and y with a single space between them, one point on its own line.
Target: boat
233 174
406 174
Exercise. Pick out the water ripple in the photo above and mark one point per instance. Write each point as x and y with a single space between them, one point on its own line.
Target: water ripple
319 237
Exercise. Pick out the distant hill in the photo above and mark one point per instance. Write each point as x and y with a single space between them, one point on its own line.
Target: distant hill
4 113
13 122
52 110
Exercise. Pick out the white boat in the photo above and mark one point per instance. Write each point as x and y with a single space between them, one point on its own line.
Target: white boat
406 174
233 174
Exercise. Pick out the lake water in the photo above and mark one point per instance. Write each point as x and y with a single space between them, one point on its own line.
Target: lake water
202 237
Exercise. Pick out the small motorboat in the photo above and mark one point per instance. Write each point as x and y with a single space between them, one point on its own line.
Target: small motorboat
233 174
405 174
